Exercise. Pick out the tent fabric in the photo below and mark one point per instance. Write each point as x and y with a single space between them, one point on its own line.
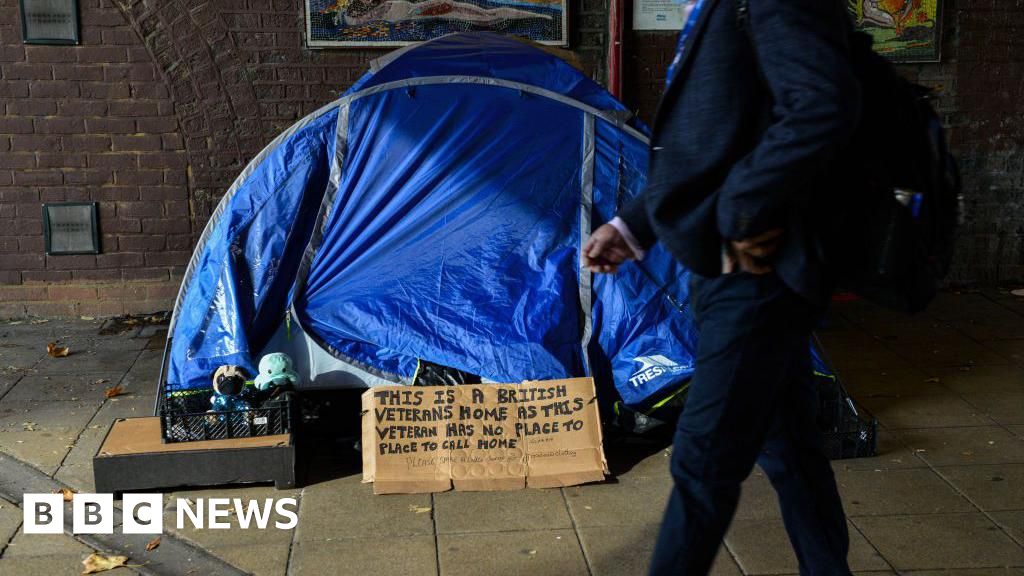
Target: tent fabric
435 212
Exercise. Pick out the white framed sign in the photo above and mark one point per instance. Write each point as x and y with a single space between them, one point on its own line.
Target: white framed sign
659 14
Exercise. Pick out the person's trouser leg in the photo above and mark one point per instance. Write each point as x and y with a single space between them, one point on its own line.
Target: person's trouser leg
794 460
753 331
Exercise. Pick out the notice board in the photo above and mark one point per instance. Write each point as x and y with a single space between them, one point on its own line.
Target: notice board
538 434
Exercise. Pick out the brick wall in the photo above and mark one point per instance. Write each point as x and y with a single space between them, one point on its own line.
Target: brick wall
980 83
153 116
165 101
90 122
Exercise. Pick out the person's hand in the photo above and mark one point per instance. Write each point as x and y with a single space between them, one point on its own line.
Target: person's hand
605 250
753 254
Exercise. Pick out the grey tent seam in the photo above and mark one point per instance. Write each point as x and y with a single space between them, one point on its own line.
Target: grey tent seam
586 215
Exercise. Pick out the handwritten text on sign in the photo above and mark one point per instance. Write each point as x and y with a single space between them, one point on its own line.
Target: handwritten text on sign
481 437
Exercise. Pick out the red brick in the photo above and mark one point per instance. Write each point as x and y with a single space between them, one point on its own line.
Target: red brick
22 293
9 277
96 275
117 160
82 108
140 210
49 54
77 72
141 243
50 309
14 89
58 125
15 125
101 309
119 193
25 262
105 90
157 125
18 160
70 292
27 72
71 262
102 54
163 192
31 244
110 125
138 177
38 177
32 107
46 276
119 260
87 143
34 142
60 160
80 176
133 108
145 274
121 292
140 142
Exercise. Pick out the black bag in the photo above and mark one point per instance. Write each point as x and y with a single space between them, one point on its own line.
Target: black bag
888 232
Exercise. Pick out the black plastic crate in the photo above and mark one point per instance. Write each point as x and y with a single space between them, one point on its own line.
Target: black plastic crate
185 418
848 431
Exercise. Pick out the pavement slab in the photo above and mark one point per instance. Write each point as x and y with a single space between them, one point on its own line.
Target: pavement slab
942 498
939 541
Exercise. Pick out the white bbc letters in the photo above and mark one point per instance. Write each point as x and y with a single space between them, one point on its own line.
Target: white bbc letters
43 513
142 514
92 514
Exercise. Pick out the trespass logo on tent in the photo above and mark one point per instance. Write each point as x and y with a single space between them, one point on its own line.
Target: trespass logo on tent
651 367
143 513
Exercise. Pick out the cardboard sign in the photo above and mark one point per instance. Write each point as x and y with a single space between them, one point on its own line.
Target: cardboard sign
541 434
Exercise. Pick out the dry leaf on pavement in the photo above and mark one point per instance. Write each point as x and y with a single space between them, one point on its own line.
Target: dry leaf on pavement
56 351
115 391
153 544
99 563
68 493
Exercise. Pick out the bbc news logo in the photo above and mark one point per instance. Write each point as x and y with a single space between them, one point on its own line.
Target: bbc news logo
143 513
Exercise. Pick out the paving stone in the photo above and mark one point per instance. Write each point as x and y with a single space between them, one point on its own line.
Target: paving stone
913 331
991 379
50 565
263 559
762 547
379 556
976 445
10 522
109 359
940 541
38 388
46 545
1006 326
969 572
1017 430
991 487
861 352
962 352
345 508
897 382
887 492
42 449
500 511
627 551
143 375
537 553
626 502
1003 407
16 416
943 411
1013 522
20 357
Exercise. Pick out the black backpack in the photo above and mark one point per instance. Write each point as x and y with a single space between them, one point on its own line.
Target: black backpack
889 231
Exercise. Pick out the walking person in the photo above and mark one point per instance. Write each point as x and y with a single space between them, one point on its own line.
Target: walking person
759 102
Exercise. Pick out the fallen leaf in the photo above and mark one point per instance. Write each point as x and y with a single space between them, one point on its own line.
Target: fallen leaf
153 544
932 381
101 381
88 318
39 321
1018 292
99 563
68 493
115 391
56 351
419 509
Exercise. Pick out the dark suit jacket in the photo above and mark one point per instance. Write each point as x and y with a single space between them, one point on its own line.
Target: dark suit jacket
745 133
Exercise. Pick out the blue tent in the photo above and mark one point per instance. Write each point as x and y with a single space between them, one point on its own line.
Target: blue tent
435 212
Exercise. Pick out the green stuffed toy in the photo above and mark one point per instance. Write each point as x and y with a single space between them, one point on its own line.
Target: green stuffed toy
276 370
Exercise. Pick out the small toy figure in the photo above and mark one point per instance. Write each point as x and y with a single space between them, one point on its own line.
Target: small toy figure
276 371
229 389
